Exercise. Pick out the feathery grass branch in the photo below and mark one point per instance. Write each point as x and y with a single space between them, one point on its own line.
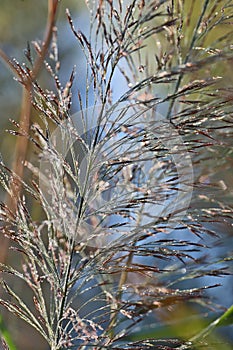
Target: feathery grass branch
25 114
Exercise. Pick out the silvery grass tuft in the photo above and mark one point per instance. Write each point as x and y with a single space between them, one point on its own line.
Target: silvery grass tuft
125 184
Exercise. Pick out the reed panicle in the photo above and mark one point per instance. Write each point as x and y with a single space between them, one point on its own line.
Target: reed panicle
128 187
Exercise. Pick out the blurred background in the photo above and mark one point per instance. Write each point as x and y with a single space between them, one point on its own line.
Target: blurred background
23 21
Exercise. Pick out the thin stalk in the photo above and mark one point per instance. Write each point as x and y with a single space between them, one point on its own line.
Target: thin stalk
65 286
64 298
122 281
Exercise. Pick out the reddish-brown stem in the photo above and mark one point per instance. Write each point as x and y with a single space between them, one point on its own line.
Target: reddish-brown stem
25 114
